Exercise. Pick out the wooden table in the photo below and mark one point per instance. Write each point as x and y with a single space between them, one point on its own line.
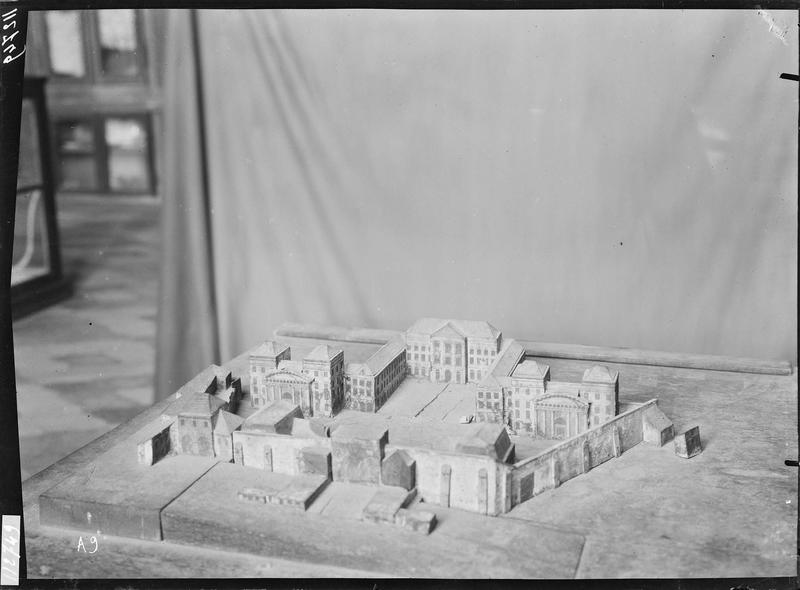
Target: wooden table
728 512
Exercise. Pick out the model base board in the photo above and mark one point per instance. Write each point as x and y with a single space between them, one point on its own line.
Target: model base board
313 459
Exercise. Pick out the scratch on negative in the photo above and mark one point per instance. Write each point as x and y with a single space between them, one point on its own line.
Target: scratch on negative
775 28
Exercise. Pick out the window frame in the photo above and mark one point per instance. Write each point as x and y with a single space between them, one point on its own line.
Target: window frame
87 70
93 25
91 52
102 151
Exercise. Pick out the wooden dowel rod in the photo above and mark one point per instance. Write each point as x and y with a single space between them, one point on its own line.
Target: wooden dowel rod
630 356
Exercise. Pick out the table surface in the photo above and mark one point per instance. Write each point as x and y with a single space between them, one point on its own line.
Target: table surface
729 512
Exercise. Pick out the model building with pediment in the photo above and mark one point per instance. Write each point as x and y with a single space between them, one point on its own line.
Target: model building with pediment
518 392
451 351
315 383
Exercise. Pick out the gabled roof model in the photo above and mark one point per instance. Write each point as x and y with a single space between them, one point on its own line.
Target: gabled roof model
530 369
510 355
448 331
323 352
469 328
198 404
226 422
268 348
384 355
205 380
600 374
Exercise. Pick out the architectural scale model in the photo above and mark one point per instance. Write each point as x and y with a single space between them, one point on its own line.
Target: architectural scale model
293 435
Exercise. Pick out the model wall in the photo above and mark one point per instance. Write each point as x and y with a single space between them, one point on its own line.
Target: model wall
285 450
566 460
464 478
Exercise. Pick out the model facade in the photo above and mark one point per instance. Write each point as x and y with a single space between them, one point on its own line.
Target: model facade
451 351
315 383
368 385
510 389
518 392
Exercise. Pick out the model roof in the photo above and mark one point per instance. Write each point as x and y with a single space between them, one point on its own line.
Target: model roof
468 328
323 352
221 373
227 422
356 369
197 404
507 360
490 381
448 330
291 366
266 419
384 355
226 395
309 427
364 430
656 418
269 348
530 369
472 439
600 374
205 380
563 388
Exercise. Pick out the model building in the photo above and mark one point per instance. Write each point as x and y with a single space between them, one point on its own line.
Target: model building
393 430
295 431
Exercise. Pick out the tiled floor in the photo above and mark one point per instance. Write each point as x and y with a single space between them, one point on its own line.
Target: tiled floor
86 364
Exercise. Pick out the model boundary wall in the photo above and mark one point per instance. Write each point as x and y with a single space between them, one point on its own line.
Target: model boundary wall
575 456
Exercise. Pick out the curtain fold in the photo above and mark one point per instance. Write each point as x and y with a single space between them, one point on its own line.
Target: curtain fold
621 178
187 338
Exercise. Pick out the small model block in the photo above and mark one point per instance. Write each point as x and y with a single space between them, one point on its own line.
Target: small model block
688 444
358 451
301 491
657 428
252 495
155 447
420 521
315 460
386 502
398 469
297 492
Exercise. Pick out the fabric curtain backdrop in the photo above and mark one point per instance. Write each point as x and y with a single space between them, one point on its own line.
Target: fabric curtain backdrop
620 178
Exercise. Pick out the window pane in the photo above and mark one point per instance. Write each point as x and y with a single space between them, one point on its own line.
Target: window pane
128 169
118 43
66 43
78 173
30 253
75 137
30 166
